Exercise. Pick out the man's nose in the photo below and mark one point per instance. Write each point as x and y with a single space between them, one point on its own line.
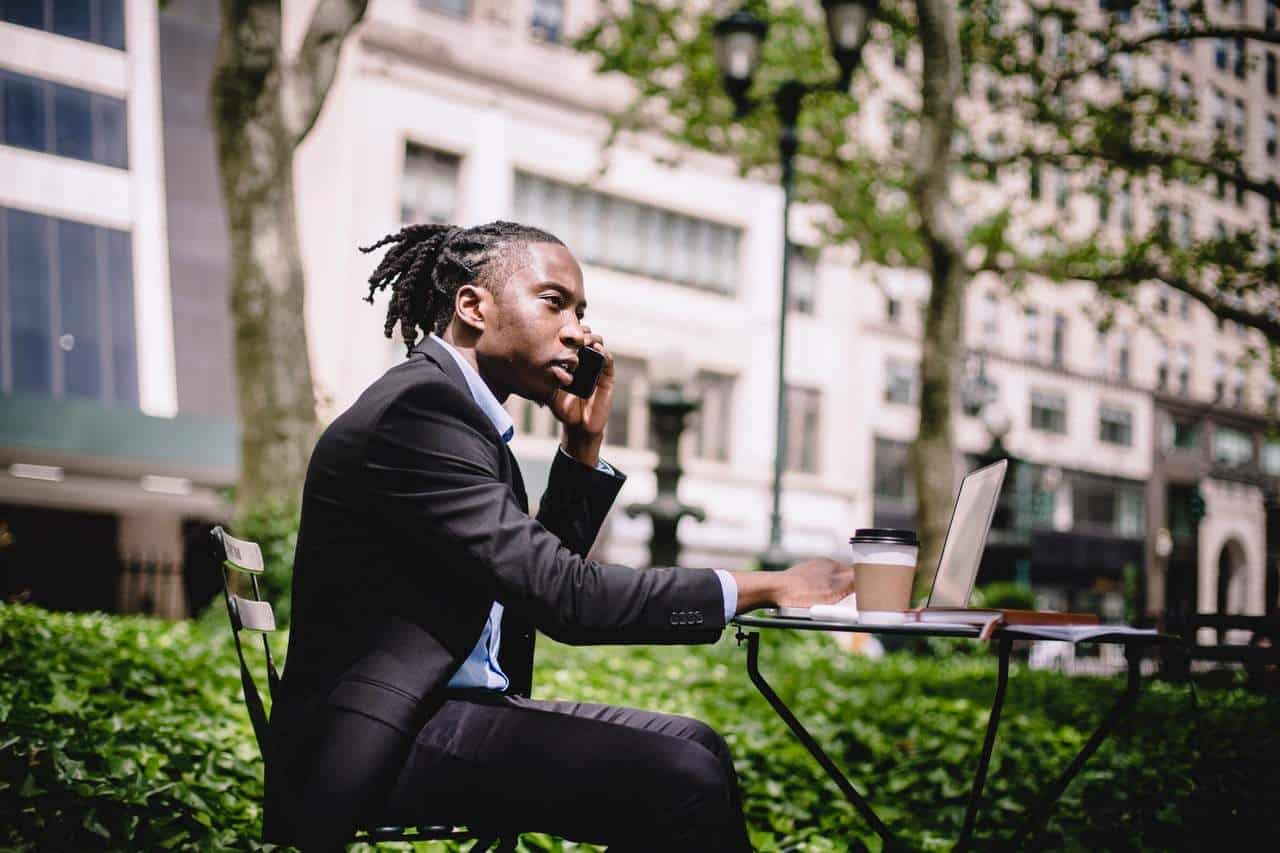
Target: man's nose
573 335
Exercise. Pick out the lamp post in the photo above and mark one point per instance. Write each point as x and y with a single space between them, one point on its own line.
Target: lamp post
669 406
738 41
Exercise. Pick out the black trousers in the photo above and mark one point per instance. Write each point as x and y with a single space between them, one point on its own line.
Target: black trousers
630 779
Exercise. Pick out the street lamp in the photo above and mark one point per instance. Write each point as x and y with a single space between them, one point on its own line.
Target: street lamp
669 406
738 42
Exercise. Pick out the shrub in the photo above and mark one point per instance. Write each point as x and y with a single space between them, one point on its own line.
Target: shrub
128 733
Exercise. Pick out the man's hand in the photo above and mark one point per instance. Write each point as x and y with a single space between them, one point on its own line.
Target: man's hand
820 581
584 420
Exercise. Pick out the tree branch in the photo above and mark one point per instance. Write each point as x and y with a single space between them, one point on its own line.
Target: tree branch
1133 45
309 76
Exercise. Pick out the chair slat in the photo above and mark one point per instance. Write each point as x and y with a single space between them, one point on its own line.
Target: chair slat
241 554
254 615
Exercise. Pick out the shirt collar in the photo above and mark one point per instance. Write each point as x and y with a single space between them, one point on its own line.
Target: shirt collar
484 398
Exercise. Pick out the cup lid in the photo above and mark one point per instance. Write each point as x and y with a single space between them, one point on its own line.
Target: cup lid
886 536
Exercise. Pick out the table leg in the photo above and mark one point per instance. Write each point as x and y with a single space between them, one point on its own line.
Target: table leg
1040 813
845 786
984 760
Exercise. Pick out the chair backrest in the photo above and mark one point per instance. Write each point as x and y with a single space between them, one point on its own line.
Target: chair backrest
242 557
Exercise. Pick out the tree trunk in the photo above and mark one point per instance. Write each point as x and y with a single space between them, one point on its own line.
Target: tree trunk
933 456
263 107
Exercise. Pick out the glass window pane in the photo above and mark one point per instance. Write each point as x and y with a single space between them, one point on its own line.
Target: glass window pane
72 123
28 13
112 134
111 23
78 338
28 282
25 112
72 18
124 357
428 191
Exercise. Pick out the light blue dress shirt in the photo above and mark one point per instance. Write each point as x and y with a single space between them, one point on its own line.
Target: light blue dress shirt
481 669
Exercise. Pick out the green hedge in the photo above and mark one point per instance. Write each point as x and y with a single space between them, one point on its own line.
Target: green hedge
128 733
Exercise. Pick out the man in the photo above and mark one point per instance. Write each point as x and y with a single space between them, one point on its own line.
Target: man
420 578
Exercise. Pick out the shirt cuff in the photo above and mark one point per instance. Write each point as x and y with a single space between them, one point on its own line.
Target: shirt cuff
729 587
601 465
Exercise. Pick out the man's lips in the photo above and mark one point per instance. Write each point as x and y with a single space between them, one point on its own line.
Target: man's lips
563 374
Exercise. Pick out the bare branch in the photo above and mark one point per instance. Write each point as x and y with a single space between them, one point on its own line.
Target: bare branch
308 78
1171 36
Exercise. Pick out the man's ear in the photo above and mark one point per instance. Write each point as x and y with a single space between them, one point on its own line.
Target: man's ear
473 305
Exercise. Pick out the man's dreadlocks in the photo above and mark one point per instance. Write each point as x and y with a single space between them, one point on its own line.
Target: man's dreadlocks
426 265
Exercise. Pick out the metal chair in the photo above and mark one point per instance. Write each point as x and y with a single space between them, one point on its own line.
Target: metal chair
256 616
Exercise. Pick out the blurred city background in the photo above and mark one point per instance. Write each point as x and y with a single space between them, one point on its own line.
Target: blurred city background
1141 424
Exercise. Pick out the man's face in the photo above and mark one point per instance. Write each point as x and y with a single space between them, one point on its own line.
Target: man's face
533 328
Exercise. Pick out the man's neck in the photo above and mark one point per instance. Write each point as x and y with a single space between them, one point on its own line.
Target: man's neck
467 349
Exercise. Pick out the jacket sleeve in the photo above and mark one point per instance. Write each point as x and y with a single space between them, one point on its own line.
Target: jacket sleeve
434 475
576 501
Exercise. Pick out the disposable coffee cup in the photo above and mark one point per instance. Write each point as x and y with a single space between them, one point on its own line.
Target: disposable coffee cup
884 569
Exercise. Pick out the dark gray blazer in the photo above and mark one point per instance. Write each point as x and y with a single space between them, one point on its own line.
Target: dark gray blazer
414 521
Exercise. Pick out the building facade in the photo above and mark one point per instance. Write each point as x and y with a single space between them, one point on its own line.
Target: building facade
107 467
466 111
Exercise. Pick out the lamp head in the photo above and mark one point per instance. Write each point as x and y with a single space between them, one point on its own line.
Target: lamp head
848 26
738 39
997 421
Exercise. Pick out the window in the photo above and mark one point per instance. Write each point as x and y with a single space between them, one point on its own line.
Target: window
1238 67
429 188
892 309
46 116
1115 425
1184 369
1162 366
1122 355
1232 447
1237 385
1033 180
1108 506
710 424
1271 458
548 20
1220 54
894 488
628 419
1124 204
631 237
1239 121
990 317
1062 188
1049 412
1219 377
1031 325
804 419
66 306
900 381
1219 111
1185 435
803 284
98 21
461 8
1271 134
1059 340
1270 75
1184 22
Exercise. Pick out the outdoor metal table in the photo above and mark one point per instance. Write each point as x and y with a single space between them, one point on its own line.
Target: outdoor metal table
1004 638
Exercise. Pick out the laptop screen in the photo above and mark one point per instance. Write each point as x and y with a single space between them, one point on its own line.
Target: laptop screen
967 536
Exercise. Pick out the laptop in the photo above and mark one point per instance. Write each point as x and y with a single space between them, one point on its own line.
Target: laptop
971 517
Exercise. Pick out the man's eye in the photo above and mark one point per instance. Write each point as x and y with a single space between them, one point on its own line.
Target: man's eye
553 299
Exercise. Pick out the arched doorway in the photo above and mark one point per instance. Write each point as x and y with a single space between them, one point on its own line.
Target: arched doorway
1231 577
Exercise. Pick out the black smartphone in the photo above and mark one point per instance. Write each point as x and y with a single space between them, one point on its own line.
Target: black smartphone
587 373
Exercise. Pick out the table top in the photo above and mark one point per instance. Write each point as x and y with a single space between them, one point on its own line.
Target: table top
1073 634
